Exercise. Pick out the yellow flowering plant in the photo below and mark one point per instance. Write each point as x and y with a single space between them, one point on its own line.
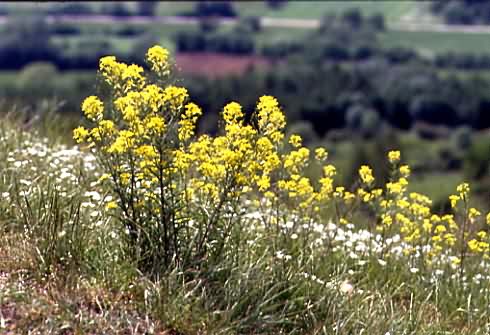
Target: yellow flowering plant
140 134
175 189
188 200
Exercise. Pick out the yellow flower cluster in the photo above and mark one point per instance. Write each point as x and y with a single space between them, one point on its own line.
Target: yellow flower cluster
366 174
93 108
121 77
394 156
271 119
158 58
295 141
161 170
187 124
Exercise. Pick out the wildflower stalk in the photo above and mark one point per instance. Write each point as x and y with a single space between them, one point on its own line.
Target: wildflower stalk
463 239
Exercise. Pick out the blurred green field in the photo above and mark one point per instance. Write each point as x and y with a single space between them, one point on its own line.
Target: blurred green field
101 32
7 77
393 10
164 33
427 43
435 42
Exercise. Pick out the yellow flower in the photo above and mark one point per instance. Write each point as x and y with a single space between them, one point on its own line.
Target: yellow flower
329 170
122 143
386 220
339 192
483 247
111 205
473 213
435 218
454 200
377 192
463 189
232 112
80 134
125 177
104 177
427 225
402 203
450 239
130 114
366 174
366 196
153 98
269 195
271 120
93 108
147 151
156 124
326 187
264 183
176 97
112 71
296 159
188 120
295 141
440 229
107 126
397 187
405 170
132 77
394 156
96 134
320 154
158 58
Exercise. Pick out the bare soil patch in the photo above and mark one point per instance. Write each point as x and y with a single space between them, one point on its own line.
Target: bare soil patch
216 65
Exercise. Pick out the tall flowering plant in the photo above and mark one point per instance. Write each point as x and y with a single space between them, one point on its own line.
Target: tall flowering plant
179 195
190 201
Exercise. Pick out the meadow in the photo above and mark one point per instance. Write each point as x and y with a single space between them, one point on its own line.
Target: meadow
145 227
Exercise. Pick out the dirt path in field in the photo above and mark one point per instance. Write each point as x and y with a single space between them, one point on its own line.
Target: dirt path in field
411 23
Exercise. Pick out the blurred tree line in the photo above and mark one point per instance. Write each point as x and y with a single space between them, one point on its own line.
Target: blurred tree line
112 8
141 8
463 11
360 97
353 84
350 37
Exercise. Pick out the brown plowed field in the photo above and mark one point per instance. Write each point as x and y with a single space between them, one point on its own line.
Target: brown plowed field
217 65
